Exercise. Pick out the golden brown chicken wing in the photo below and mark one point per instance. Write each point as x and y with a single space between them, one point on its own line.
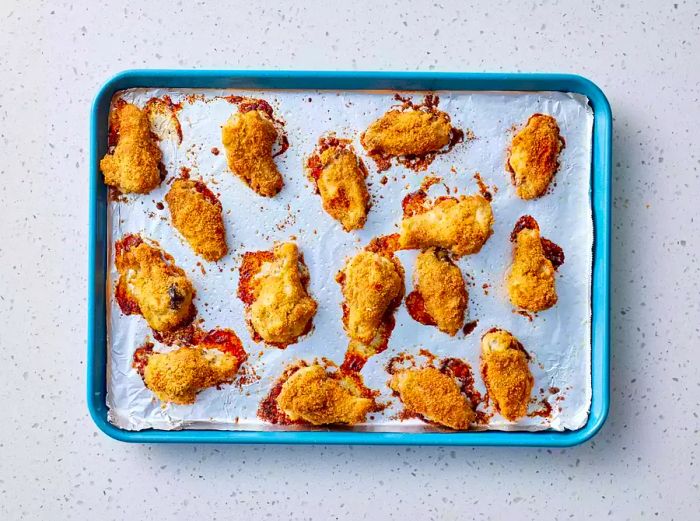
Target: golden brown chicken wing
460 225
407 132
151 284
372 285
339 176
433 395
439 296
196 214
273 287
534 154
248 138
531 283
504 368
315 396
177 376
135 163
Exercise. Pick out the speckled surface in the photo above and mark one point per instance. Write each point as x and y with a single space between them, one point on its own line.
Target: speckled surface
642 465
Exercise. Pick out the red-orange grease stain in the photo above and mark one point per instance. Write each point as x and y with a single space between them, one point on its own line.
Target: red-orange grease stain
553 252
485 286
394 365
268 410
523 313
208 194
185 172
483 187
113 130
160 205
469 327
415 305
544 412
314 167
414 203
224 340
127 242
250 267
526 222
284 146
126 302
141 356
353 362
429 181
215 151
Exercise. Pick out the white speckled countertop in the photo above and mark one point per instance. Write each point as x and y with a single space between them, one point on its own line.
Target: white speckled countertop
54 464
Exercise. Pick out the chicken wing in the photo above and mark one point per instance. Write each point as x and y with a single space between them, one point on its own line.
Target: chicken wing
530 282
372 285
196 214
177 376
533 158
433 395
273 287
439 290
504 368
314 396
248 138
161 290
461 225
135 163
340 178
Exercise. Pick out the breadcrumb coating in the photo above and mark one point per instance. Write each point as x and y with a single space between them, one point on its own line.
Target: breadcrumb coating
505 370
282 309
196 213
534 155
407 132
315 397
134 165
461 225
433 395
531 283
371 284
248 138
161 289
340 179
177 376
440 283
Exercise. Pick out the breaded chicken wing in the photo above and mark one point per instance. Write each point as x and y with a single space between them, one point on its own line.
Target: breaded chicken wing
433 395
177 376
407 132
149 277
504 368
534 153
440 289
196 214
531 283
273 287
135 163
340 178
248 138
372 285
460 225
314 396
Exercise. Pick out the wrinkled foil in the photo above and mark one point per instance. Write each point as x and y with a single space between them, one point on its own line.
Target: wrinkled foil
558 339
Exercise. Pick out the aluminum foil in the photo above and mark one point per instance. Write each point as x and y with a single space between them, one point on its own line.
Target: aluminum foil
558 339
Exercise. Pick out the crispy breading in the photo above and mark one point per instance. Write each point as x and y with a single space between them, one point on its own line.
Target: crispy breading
461 225
315 397
505 370
341 184
371 284
433 395
440 283
162 290
282 309
531 283
534 154
248 138
407 132
177 376
134 165
196 214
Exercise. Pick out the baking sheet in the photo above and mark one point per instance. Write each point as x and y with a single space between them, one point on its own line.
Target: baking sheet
558 339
